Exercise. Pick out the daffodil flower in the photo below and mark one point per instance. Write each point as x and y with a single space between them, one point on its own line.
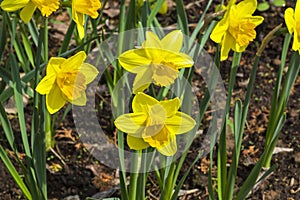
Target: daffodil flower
82 7
66 81
47 7
292 20
158 61
154 123
163 9
237 28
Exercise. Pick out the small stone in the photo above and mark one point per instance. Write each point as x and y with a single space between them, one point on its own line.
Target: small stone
297 157
276 61
75 197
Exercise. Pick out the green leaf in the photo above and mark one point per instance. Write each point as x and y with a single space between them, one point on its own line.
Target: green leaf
7 127
27 47
263 6
279 3
12 170
154 11
19 102
3 36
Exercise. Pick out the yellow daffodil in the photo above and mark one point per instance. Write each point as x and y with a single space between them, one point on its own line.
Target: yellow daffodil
236 30
163 9
157 61
82 7
292 20
154 123
29 6
66 80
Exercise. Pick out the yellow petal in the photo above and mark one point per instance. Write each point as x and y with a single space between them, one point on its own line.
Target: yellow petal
140 87
89 7
142 103
244 8
176 60
47 7
158 139
79 20
297 14
131 123
81 101
27 12
74 62
231 3
143 79
219 31
170 148
227 43
173 41
171 106
89 71
152 41
54 65
164 8
164 75
55 100
289 19
296 42
256 20
136 143
13 5
46 84
155 121
133 59
180 123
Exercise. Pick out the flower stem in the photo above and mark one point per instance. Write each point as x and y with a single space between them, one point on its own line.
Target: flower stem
222 156
134 175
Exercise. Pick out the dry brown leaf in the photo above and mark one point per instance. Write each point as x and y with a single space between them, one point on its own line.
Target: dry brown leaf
65 134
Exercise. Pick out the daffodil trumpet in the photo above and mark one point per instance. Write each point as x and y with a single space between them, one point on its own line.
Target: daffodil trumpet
154 124
157 62
237 28
66 81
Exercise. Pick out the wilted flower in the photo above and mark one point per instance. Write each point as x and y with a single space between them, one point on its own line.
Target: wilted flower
236 30
28 7
66 80
82 7
154 123
292 20
157 61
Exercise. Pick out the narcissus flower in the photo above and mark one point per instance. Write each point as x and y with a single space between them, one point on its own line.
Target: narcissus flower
66 81
292 20
82 7
158 61
163 9
29 6
154 123
237 28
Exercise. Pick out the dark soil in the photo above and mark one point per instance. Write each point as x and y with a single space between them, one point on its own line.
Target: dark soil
72 170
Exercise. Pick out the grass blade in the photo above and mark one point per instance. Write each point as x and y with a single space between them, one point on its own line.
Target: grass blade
8 164
19 102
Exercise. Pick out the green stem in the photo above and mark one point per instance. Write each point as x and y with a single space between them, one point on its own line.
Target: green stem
169 185
238 132
279 107
134 175
222 156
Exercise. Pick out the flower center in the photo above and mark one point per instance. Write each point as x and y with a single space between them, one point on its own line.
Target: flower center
298 28
155 132
89 7
155 121
243 32
72 84
46 6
